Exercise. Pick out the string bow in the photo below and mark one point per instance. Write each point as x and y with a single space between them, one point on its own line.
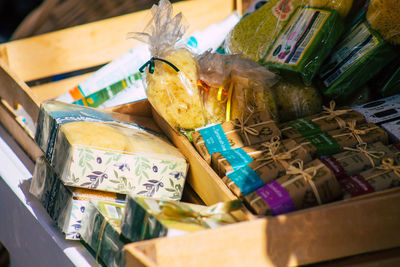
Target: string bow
151 65
271 155
370 154
246 130
334 114
388 165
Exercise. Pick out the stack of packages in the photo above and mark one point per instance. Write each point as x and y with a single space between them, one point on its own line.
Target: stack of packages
93 159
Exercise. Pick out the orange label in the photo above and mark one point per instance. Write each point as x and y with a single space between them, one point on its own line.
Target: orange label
283 9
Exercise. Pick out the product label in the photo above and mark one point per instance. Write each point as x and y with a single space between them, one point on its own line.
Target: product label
297 36
356 185
277 198
335 166
246 179
215 139
305 127
324 143
283 9
236 157
357 45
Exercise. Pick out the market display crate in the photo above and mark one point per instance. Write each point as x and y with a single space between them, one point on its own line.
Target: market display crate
344 228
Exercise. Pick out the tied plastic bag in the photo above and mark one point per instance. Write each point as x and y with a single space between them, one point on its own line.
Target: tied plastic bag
232 87
172 72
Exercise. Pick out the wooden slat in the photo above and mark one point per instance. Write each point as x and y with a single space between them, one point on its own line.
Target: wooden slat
99 42
314 235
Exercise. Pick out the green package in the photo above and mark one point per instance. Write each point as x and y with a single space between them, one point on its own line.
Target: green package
147 218
305 42
357 58
101 232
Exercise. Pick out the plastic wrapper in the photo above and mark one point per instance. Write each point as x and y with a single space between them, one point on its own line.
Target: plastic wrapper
172 72
230 160
303 187
360 55
384 17
149 218
265 169
110 157
65 205
382 177
233 87
333 142
362 157
393 130
101 232
54 113
305 42
330 119
382 110
295 100
256 128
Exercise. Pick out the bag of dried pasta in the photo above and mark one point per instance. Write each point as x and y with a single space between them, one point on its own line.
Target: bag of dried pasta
172 72
233 87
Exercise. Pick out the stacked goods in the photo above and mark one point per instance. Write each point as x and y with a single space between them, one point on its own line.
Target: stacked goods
256 128
363 52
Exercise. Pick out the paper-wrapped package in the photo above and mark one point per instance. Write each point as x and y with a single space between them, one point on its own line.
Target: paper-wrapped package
65 205
101 232
382 177
230 160
303 187
360 158
256 128
111 157
147 218
266 168
333 142
329 119
53 114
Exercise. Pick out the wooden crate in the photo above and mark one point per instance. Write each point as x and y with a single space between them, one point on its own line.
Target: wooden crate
337 230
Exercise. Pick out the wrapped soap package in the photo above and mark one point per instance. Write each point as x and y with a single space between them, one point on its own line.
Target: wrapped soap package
382 110
329 119
362 157
296 100
147 218
54 113
382 177
111 157
256 128
305 42
333 142
232 87
227 161
101 232
303 187
172 72
360 55
265 169
65 205
393 129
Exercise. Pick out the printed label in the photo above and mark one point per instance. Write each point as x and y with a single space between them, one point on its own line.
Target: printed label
246 179
236 157
111 210
283 9
277 198
358 44
335 166
324 143
305 127
356 185
297 36
215 139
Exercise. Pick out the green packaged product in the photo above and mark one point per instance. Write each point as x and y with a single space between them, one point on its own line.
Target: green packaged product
101 232
305 42
357 58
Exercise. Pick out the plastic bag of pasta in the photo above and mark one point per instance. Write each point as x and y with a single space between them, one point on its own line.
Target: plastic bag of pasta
172 72
233 86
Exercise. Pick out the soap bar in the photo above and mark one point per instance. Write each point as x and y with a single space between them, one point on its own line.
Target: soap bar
147 218
111 157
305 42
54 113
65 205
101 232
393 129
382 110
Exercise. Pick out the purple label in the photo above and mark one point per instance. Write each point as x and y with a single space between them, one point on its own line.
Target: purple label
277 198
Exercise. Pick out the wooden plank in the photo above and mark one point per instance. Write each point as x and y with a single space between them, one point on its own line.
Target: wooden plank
314 235
98 42
8 120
